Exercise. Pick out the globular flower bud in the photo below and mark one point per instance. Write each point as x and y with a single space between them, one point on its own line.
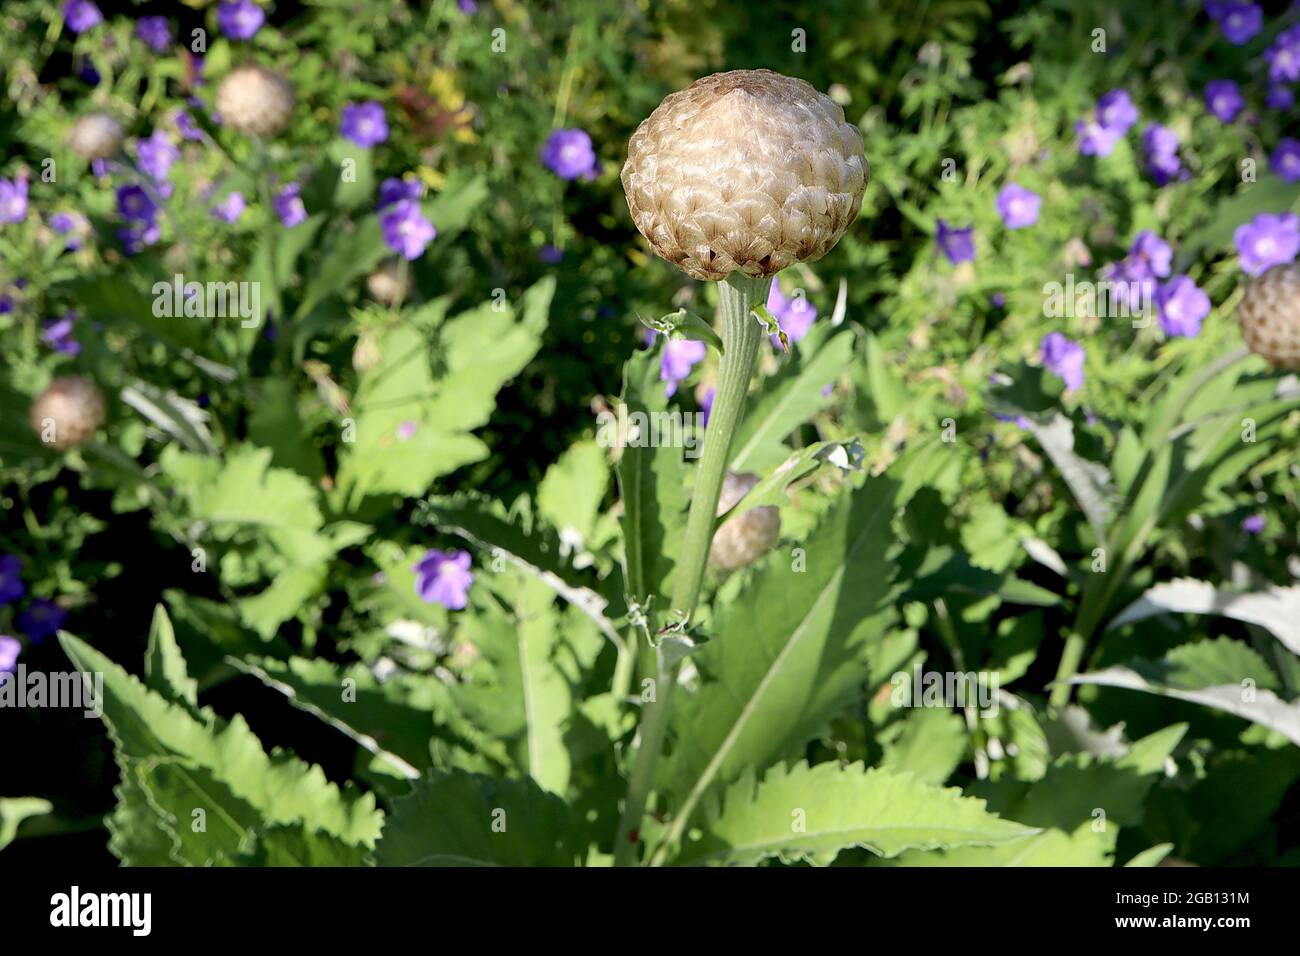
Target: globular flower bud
747 171
1269 316
744 539
387 283
255 100
68 412
366 354
95 136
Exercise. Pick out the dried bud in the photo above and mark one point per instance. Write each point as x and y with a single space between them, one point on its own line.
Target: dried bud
255 100
744 539
1269 316
746 171
95 136
387 283
68 412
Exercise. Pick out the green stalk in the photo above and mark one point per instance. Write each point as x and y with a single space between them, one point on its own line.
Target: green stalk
741 335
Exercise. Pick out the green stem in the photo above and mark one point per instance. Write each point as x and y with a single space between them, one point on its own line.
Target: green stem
741 336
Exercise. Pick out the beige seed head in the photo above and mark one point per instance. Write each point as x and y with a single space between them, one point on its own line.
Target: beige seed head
1269 316
744 539
255 100
68 412
746 171
95 136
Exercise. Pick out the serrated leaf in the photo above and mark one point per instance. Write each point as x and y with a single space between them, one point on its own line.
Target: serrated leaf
164 666
283 789
464 819
1276 609
930 744
810 814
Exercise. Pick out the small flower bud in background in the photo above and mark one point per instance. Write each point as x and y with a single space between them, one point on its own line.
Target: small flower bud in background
366 353
68 412
747 171
1269 316
255 100
745 538
95 136
387 283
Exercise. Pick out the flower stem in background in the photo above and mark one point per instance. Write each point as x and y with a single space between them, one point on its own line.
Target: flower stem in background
741 335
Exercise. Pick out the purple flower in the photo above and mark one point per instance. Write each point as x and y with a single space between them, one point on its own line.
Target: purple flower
230 208
1267 240
794 316
1181 306
58 334
394 190
41 619
467 6
6 304
1280 97
156 155
406 230
1241 21
86 71
569 154
680 356
13 200
551 255
1095 139
1161 145
1018 206
11 582
288 205
957 244
1223 98
1064 359
81 15
136 236
1285 160
444 577
134 204
406 430
155 33
63 223
1253 524
186 126
1284 57
9 651
364 124
706 404
1115 111
240 19
1149 256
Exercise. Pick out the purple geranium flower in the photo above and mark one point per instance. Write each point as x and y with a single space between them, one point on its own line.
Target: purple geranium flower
186 126
1161 145
65 222
1149 256
1064 359
569 154
467 6
288 205
394 190
680 356
444 577
9 651
1115 111
1241 21
1182 305
1018 206
13 200
11 581
42 619
58 334
135 205
1267 240
81 15
136 236
957 244
155 33
1223 98
1253 524
364 124
1285 160
406 230
550 254
1284 57
1280 97
1095 139
795 316
230 208
156 155
240 19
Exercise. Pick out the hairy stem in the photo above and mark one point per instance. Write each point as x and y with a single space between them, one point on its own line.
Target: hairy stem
741 335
